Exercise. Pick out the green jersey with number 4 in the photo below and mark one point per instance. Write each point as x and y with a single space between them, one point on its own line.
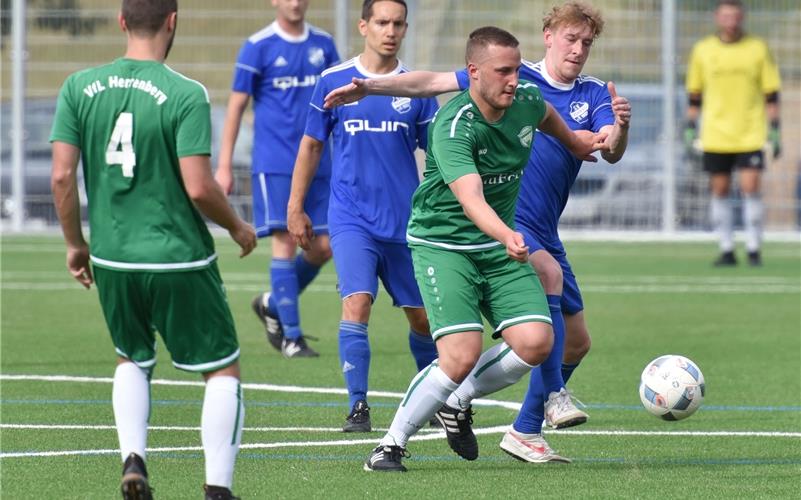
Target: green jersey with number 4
132 121
462 142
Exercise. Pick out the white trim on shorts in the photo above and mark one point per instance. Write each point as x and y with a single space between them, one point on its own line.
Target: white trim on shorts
529 318
141 364
154 266
464 327
210 366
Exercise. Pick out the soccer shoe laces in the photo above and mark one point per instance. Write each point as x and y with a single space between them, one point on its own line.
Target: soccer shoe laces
565 398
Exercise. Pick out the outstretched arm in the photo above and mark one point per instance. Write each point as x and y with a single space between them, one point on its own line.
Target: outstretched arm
582 143
412 84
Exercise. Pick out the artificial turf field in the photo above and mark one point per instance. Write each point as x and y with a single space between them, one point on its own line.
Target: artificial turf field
742 326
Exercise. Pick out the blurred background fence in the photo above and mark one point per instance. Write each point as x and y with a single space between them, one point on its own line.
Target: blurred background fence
644 49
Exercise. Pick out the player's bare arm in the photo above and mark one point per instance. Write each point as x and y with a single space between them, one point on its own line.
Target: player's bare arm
469 191
209 198
237 104
618 134
582 143
64 184
298 222
412 84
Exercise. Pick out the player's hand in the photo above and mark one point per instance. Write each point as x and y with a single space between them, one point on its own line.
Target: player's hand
775 140
245 236
587 143
516 247
299 226
78 265
620 107
346 94
225 179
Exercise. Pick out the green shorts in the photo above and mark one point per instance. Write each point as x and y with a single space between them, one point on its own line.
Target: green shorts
188 309
457 287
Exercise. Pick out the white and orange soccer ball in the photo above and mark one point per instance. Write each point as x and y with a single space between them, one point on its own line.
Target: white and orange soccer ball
672 387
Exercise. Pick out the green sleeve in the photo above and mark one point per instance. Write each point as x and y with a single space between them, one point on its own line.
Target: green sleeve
66 127
453 145
193 130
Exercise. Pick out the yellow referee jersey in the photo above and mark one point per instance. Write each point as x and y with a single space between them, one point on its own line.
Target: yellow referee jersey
733 79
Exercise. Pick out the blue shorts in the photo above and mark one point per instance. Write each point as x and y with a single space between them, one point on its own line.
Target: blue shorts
271 196
572 303
360 260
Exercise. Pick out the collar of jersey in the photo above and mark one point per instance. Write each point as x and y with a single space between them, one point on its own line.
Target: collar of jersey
361 69
553 83
291 38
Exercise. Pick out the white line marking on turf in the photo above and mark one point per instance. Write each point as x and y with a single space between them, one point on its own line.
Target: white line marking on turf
70 427
426 437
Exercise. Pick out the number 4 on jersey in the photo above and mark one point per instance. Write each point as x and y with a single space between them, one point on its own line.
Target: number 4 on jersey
120 147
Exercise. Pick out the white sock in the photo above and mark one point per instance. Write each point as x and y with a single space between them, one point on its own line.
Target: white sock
425 396
130 398
753 213
722 222
498 367
221 428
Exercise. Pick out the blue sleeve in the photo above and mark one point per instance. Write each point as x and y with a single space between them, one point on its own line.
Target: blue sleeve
319 121
427 111
463 79
247 70
601 114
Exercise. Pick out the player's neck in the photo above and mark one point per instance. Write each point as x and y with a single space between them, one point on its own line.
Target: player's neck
490 113
730 37
145 49
377 64
293 29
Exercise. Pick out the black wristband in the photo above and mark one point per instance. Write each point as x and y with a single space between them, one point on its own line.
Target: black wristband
691 124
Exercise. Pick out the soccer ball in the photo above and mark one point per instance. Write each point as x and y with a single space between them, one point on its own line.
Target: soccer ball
672 387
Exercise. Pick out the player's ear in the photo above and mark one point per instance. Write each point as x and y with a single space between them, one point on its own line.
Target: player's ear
363 27
172 21
547 37
121 21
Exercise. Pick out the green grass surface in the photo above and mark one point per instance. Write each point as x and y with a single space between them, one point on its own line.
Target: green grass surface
741 325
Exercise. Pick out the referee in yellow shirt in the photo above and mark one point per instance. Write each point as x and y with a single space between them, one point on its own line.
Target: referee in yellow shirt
733 83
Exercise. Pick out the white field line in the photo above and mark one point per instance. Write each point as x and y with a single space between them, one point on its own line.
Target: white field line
426 437
253 387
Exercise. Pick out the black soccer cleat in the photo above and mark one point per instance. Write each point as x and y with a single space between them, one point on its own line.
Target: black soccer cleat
272 326
726 259
297 348
134 485
359 418
218 493
458 431
386 459
755 258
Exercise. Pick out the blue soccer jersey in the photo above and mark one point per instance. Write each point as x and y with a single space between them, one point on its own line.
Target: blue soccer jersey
280 71
584 104
374 170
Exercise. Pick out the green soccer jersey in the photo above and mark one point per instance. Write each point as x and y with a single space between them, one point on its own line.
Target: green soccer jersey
462 142
132 121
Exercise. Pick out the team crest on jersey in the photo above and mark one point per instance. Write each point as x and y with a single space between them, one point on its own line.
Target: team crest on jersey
525 135
316 56
579 111
402 104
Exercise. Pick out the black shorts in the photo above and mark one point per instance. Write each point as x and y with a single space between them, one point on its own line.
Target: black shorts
724 163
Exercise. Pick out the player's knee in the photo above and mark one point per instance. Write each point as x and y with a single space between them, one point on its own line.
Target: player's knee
457 365
357 307
534 348
319 254
418 321
550 274
576 347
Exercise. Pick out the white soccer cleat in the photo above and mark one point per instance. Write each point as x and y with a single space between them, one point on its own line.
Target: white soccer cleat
530 448
560 412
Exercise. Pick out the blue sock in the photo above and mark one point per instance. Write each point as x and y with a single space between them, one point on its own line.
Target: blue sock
567 370
423 348
305 271
532 412
354 354
552 366
284 291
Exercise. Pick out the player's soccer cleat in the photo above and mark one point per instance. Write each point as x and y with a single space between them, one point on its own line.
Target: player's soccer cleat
272 326
460 435
134 485
359 418
725 259
532 449
386 459
297 348
754 259
560 412
218 493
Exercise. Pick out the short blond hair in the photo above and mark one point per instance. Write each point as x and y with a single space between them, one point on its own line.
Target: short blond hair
572 13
